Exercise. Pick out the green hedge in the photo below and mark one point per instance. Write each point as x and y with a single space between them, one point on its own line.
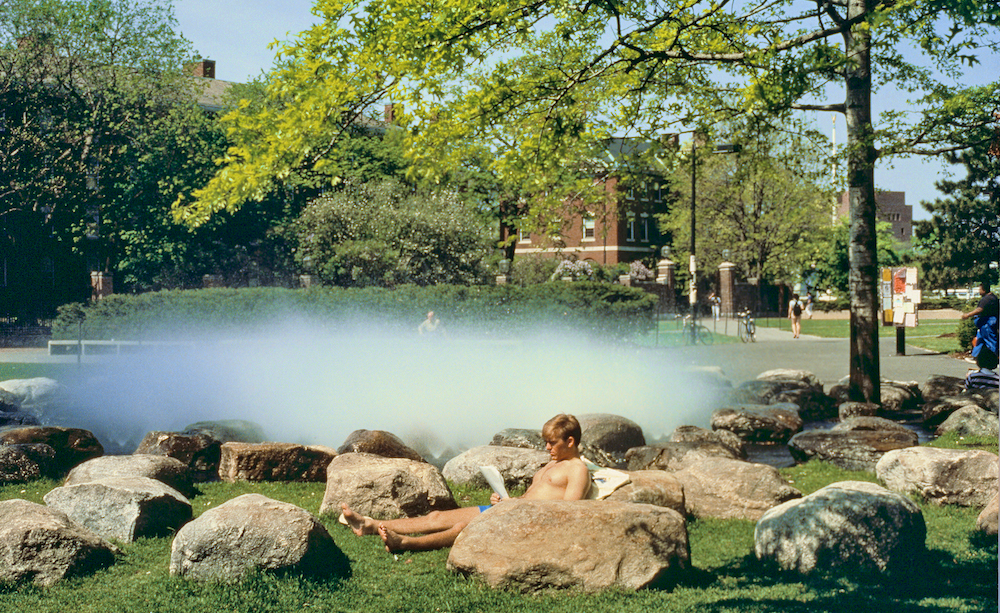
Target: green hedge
601 309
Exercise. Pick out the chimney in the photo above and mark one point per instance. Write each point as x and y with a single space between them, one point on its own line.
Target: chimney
202 68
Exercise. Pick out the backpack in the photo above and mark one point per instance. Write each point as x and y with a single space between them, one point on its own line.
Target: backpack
797 309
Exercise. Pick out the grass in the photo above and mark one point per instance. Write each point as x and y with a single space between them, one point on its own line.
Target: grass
932 334
670 334
958 575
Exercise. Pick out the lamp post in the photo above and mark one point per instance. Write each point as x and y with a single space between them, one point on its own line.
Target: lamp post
693 263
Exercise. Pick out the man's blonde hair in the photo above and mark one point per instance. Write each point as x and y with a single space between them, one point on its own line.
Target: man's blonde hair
562 426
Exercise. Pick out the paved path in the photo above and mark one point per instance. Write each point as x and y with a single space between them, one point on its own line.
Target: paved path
827 358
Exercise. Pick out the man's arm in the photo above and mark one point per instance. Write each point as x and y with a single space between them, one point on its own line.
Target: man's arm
578 482
972 313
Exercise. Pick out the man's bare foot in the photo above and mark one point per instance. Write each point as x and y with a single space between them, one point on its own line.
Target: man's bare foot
359 524
393 542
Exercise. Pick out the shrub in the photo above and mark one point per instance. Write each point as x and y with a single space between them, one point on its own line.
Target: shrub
601 309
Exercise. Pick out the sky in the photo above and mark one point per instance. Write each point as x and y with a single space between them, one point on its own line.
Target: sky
237 39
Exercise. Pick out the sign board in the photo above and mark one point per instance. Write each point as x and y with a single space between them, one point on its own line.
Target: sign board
900 296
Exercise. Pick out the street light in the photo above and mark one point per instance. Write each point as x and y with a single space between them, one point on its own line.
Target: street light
693 264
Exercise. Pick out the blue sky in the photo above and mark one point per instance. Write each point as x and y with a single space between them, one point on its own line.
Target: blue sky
236 36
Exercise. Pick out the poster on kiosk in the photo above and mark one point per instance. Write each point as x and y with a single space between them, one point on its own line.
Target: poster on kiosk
900 297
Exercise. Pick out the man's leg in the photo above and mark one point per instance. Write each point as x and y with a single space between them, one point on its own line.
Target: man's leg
444 524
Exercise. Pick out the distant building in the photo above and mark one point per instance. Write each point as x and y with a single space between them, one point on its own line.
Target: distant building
626 230
891 207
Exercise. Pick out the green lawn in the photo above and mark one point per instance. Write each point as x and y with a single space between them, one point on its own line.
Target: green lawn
670 334
932 334
959 573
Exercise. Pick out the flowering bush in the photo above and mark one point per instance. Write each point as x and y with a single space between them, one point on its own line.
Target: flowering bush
575 269
638 271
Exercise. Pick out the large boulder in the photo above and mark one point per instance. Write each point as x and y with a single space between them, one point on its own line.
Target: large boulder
971 421
274 462
732 489
228 430
23 463
32 395
656 487
986 523
605 438
384 488
850 409
169 471
253 533
942 476
938 386
378 442
519 437
759 423
43 546
897 396
852 450
516 465
851 525
123 508
674 456
16 419
199 451
72 445
531 545
694 434
801 378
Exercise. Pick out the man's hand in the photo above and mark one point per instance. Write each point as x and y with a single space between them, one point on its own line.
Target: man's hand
495 498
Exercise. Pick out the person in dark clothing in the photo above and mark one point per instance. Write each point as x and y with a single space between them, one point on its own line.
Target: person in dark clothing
986 320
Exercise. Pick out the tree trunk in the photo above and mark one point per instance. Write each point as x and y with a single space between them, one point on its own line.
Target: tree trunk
862 249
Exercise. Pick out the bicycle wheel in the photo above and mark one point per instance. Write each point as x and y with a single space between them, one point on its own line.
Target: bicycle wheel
743 332
705 335
752 331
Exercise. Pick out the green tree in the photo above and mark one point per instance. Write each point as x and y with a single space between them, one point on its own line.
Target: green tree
958 243
765 204
385 233
830 261
539 81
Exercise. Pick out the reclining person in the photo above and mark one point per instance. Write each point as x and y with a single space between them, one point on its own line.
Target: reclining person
565 477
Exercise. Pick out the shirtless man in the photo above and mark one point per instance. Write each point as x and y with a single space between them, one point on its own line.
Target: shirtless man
565 477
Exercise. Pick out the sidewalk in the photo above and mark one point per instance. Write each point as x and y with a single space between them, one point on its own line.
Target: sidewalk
827 358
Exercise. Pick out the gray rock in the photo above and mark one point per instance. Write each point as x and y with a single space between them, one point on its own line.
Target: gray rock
803 378
868 424
935 413
519 437
656 487
123 508
384 488
942 476
732 489
605 438
970 421
170 471
228 430
72 445
17 419
899 396
516 465
986 523
759 423
33 395
694 434
675 456
274 462
532 545
938 386
854 450
23 463
198 451
849 409
254 533
43 546
852 525
378 442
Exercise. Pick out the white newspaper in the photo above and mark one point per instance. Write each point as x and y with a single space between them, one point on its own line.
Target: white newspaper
493 477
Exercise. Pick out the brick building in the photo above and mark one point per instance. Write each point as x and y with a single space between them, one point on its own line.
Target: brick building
891 207
624 230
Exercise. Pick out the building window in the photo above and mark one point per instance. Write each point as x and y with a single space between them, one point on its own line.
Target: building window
523 236
630 229
588 228
644 228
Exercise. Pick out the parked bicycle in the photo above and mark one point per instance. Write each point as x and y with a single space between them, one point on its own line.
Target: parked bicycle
696 333
746 327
